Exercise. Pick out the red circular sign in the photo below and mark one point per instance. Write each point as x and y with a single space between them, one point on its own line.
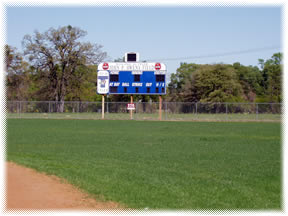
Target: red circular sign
105 66
157 66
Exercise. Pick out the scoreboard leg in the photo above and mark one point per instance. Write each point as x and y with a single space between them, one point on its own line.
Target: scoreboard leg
103 106
131 111
160 107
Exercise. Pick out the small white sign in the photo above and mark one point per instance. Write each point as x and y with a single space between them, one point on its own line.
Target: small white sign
103 82
130 106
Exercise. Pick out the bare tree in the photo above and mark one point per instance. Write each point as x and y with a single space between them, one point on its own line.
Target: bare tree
56 54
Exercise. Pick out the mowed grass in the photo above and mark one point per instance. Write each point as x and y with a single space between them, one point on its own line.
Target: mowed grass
153 116
159 165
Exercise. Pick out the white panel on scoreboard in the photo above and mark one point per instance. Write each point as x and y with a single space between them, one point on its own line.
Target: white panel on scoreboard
103 82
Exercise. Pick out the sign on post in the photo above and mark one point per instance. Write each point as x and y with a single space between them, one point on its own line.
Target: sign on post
132 77
130 106
143 78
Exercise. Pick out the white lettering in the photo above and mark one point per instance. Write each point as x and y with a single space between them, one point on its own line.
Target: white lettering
137 84
159 72
125 84
148 84
137 72
139 66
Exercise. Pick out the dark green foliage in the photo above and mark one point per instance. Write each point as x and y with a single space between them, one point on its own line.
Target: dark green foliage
272 78
162 165
61 68
228 83
250 79
215 83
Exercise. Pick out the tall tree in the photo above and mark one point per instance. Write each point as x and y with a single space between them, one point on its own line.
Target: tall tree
205 83
57 54
17 74
213 83
272 77
250 79
82 87
177 81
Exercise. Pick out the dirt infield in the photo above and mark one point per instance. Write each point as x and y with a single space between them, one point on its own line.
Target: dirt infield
28 189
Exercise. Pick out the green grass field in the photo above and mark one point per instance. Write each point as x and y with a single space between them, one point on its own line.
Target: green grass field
159 165
153 116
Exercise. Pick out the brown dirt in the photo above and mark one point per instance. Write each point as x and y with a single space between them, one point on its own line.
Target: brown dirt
28 189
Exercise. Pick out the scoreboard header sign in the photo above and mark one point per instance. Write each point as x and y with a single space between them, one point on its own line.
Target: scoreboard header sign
125 66
131 78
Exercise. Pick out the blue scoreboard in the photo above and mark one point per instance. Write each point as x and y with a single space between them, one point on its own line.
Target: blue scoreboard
143 78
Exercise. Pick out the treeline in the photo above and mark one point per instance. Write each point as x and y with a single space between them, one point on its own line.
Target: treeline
57 65
228 83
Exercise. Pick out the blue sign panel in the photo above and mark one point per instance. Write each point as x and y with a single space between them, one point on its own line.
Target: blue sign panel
135 81
146 83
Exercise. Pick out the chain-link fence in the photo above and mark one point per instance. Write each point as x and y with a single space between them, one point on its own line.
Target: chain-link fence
181 111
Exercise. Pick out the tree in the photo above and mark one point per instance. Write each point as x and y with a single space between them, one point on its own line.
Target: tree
213 83
205 83
82 87
17 75
250 79
57 54
272 78
177 81
119 59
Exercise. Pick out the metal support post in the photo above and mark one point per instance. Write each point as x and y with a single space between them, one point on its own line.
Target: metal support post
160 107
166 109
257 111
20 109
226 111
196 108
78 109
103 99
107 110
131 111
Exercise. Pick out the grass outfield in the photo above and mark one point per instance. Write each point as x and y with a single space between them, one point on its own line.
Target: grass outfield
159 165
153 116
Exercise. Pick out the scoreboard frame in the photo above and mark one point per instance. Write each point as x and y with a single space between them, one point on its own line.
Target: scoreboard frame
131 78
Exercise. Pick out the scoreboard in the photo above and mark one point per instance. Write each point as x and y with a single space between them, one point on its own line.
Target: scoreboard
143 78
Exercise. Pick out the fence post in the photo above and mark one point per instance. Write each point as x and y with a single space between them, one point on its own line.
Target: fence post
160 107
131 111
20 108
17 106
196 108
78 109
103 106
256 111
107 110
166 110
226 111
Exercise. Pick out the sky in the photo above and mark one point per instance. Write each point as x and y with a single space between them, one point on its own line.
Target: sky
162 33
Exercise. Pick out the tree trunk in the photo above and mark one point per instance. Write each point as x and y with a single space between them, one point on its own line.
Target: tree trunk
62 92
60 106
